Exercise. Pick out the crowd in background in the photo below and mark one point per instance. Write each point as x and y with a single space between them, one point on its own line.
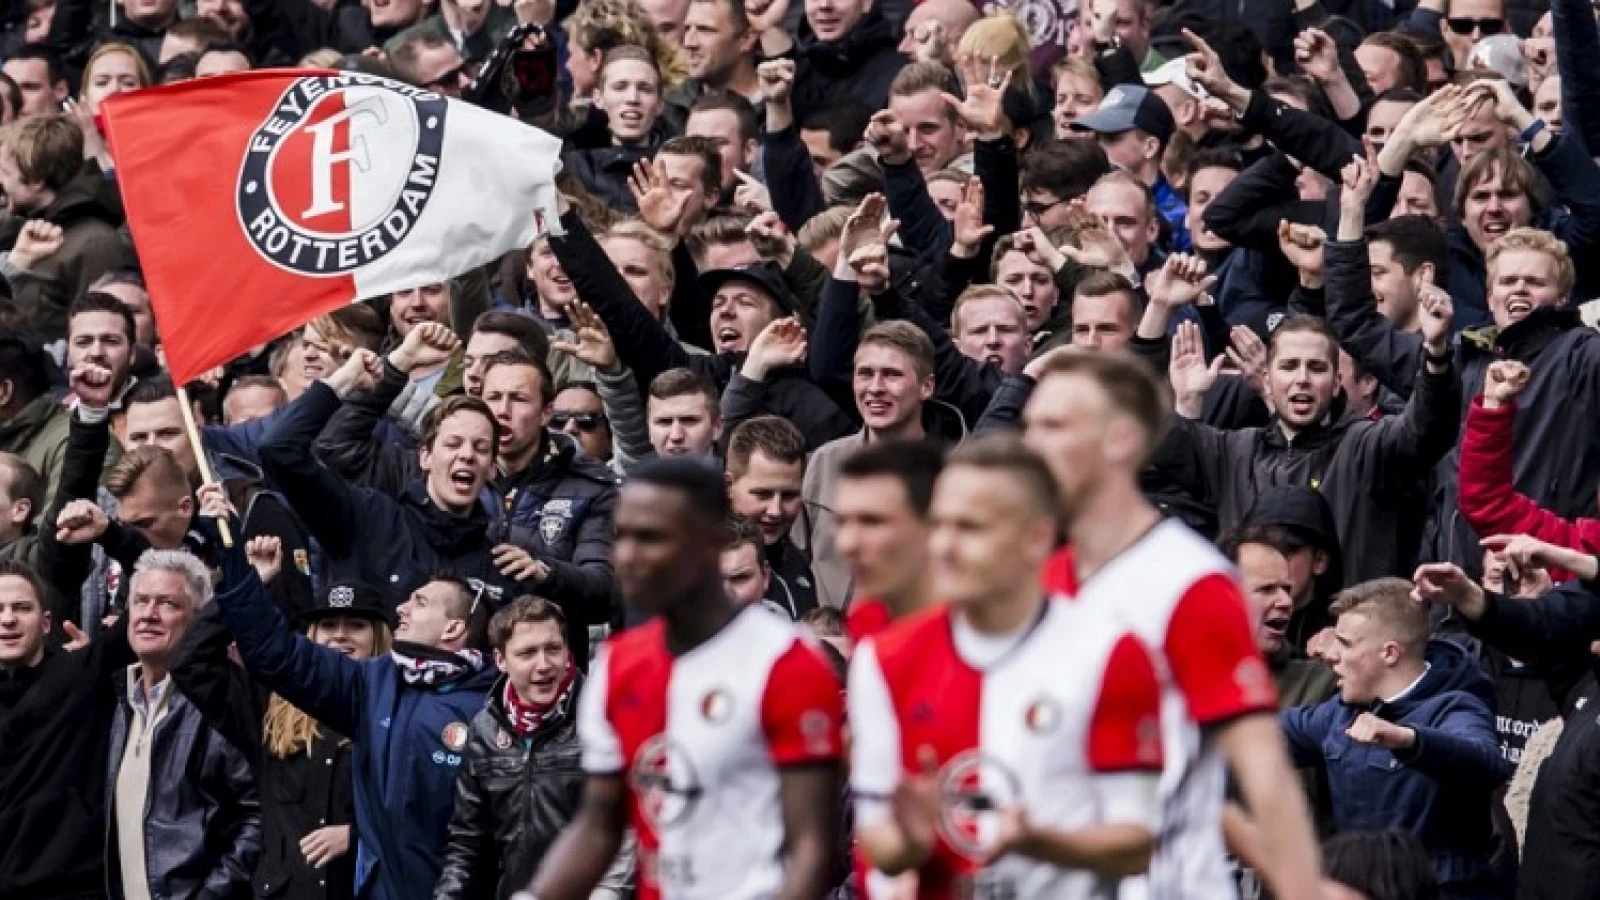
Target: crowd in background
814 246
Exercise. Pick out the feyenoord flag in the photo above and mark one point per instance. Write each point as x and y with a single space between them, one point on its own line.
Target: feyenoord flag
263 199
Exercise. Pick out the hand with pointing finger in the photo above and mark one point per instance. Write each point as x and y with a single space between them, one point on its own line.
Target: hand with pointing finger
751 196
76 639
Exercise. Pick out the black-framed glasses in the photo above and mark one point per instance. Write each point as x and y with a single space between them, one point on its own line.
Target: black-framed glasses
586 421
1465 25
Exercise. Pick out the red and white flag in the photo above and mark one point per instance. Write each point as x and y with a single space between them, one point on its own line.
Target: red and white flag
263 199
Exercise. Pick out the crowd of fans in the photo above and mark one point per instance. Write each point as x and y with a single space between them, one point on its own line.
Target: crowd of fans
1286 299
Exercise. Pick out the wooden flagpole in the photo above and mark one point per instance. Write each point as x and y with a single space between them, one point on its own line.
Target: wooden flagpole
200 458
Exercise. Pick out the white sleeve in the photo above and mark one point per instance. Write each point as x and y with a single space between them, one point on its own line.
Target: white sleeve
1129 798
602 751
874 738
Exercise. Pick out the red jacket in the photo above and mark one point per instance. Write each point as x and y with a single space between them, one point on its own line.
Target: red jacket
1490 501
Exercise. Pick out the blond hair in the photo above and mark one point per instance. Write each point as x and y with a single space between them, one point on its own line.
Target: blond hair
1076 67
980 292
823 227
286 729
636 230
604 24
1004 36
146 78
1388 603
1535 240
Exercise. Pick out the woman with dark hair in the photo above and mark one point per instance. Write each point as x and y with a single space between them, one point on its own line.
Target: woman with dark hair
1380 865
306 800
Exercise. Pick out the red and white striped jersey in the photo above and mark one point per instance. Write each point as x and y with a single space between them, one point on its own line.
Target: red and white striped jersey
1063 719
1178 594
701 739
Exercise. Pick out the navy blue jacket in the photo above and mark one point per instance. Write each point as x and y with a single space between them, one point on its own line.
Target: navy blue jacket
408 739
1441 789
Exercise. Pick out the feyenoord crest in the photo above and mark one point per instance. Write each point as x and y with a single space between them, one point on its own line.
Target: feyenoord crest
666 783
974 790
340 172
454 736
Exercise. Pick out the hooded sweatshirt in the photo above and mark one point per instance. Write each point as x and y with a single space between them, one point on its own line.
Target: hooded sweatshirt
1441 789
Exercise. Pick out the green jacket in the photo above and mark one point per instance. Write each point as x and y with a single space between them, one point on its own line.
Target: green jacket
38 434
475 46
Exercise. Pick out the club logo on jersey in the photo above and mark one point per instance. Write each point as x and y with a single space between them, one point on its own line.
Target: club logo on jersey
1254 682
1042 715
716 706
816 730
454 736
664 779
1147 734
973 791
340 172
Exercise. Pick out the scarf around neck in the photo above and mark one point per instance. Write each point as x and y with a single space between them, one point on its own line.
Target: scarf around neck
431 667
528 718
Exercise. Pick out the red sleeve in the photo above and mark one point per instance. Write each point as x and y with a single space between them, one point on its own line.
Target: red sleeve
1059 575
866 618
1489 499
802 708
1125 733
1213 654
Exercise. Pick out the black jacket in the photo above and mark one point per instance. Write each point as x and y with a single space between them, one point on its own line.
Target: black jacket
300 794
1561 855
202 816
605 170
1557 440
559 508
859 67
77 29
296 27
645 346
1366 470
513 797
54 738
388 541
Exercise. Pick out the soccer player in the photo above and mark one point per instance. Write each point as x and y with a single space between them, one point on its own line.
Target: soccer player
1004 745
716 726
880 503
1096 417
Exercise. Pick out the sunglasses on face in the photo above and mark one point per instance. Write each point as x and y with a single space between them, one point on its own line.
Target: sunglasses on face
451 77
586 421
1040 208
1465 25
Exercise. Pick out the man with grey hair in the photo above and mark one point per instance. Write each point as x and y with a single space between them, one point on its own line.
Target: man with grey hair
166 840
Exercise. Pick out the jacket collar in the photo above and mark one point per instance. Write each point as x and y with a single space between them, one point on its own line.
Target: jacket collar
871 35
1524 338
562 715
1330 429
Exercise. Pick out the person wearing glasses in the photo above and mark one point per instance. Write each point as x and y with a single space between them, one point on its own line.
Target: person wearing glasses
1467 22
580 414
431 61
405 711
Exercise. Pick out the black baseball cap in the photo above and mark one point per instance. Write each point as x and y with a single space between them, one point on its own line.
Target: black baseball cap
1127 107
350 599
761 274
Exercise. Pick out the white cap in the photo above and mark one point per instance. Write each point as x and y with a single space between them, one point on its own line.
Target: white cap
1176 73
